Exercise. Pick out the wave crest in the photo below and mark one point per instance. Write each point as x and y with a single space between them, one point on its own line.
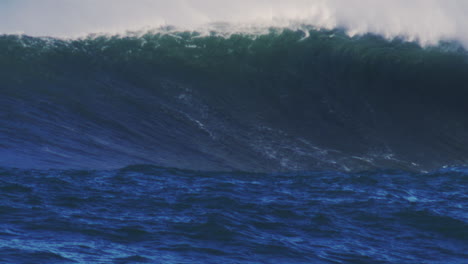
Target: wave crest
427 22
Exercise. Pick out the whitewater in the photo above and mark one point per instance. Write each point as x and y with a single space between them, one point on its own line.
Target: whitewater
149 131
424 21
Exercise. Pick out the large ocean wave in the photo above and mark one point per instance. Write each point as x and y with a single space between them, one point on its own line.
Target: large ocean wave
277 101
302 131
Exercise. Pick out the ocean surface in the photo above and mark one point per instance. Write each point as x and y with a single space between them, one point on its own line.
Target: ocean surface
144 214
287 146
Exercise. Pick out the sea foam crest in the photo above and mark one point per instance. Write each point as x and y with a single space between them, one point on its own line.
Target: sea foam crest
425 21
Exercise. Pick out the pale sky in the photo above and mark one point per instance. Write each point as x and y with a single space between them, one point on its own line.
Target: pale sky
426 21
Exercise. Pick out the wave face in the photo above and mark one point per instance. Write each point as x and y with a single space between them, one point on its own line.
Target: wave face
144 214
282 101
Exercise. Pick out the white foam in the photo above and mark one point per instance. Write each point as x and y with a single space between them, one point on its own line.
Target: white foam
425 21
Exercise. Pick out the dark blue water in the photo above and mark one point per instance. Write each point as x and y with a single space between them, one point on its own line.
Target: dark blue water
144 214
302 114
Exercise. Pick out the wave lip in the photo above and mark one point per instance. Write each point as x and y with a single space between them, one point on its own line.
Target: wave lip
427 22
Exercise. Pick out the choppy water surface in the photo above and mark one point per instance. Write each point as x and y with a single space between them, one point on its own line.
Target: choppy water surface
144 214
